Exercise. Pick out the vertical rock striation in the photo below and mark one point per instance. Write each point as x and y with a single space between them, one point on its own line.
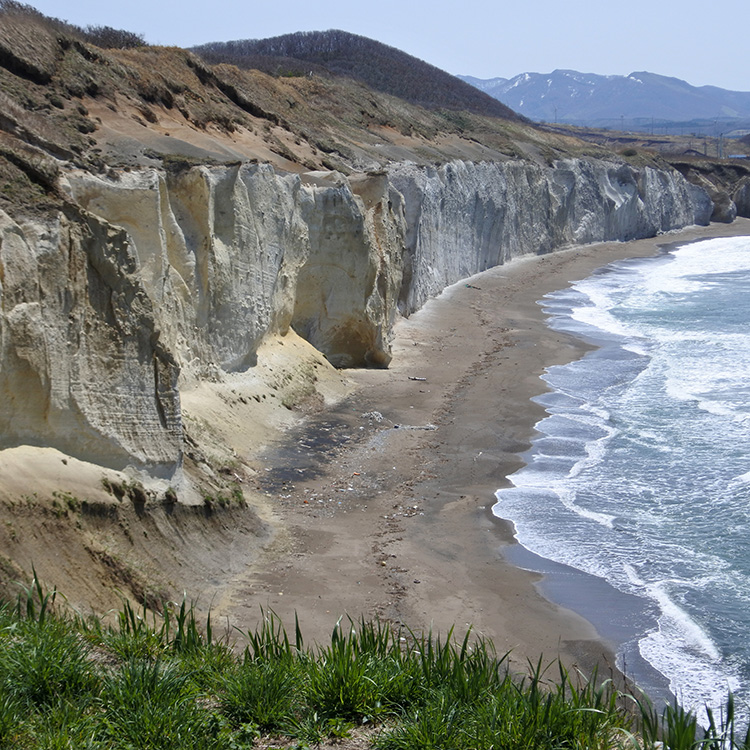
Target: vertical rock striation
150 280
464 218
82 367
348 287
218 251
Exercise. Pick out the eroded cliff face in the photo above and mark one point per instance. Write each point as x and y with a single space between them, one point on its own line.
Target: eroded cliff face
347 289
464 218
742 197
82 366
152 282
230 255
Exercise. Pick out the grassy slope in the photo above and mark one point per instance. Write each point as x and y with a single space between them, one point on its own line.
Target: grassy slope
164 682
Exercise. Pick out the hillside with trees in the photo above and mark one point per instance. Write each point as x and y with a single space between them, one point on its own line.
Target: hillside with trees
381 67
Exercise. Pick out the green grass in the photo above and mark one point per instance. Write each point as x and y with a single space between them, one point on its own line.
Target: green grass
165 681
155 705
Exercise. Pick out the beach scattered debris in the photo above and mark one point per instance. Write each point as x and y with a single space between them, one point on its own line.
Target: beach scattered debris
413 377
471 286
429 426
375 416
405 512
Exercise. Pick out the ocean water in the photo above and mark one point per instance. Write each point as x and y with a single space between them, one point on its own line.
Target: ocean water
640 473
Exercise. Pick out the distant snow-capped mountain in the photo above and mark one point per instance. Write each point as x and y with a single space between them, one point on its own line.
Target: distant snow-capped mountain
568 96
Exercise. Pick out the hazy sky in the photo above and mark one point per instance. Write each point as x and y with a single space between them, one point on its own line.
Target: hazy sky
696 41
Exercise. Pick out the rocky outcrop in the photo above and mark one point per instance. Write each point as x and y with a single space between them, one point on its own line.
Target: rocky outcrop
230 255
218 252
724 208
725 183
151 280
742 198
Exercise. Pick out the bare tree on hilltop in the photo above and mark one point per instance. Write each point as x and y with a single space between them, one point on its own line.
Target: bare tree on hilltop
100 36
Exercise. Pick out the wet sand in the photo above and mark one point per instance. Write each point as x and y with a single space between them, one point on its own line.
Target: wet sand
384 504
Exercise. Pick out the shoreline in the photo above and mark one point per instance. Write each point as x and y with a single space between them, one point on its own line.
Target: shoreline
393 518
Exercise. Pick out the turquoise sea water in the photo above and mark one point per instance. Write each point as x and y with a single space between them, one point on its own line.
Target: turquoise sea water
640 474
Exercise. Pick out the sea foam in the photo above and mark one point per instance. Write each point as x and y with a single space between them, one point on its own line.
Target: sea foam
640 475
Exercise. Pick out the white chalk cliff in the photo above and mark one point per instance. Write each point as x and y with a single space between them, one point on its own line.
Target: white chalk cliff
151 281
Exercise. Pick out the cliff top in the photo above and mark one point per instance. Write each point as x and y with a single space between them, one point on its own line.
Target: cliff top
98 98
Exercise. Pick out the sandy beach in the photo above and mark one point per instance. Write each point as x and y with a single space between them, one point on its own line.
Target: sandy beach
384 503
